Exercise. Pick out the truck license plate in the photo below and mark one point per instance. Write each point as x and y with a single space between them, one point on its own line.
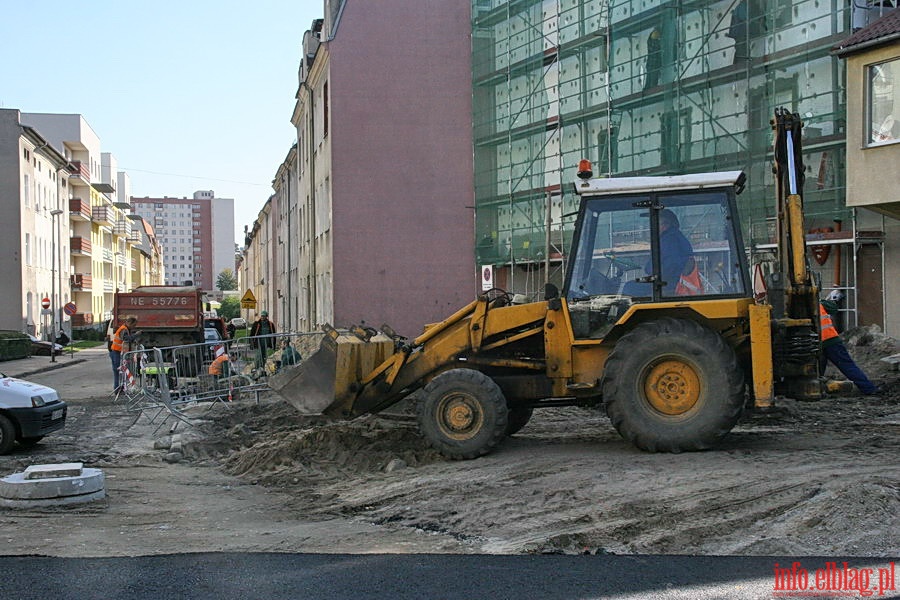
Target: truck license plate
56 414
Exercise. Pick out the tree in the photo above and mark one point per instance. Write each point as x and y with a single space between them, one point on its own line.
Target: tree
226 280
229 308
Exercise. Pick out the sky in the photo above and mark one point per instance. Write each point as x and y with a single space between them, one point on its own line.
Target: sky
187 95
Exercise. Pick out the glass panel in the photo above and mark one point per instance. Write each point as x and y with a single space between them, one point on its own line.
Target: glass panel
884 96
697 251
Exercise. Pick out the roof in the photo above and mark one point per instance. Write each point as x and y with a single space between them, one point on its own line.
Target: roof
627 185
880 31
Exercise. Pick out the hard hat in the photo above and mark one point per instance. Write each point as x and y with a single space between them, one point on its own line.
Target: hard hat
836 295
264 313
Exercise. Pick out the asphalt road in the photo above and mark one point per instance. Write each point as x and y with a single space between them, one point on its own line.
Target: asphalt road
397 577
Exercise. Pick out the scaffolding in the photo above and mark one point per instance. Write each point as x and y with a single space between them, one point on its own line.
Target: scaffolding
648 87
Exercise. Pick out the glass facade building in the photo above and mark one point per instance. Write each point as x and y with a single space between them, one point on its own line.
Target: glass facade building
645 87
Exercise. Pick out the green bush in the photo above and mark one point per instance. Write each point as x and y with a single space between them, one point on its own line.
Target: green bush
14 344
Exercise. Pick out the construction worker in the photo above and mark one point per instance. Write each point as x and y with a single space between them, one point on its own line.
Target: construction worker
220 366
833 350
120 338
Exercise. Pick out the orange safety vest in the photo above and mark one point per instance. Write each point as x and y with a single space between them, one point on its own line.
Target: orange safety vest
117 341
690 284
826 324
216 367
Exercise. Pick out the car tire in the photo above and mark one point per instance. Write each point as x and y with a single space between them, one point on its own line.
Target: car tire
7 434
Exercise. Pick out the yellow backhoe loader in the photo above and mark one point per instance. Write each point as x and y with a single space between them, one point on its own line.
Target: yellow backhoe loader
656 321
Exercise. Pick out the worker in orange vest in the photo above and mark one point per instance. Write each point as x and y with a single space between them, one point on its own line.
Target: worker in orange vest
833 350
122 337
221 365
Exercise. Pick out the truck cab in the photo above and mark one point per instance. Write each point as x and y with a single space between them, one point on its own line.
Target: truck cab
654 239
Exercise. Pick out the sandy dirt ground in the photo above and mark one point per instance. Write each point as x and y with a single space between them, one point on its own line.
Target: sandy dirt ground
810 478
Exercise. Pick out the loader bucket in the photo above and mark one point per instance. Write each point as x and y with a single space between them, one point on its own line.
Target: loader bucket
309 385
329 381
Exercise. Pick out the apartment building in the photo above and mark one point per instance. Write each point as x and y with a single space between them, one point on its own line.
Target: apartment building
34 186
197 234
656 87
100 233
379 195
872 60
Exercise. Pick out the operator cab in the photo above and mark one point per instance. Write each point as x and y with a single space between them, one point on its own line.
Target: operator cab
653 239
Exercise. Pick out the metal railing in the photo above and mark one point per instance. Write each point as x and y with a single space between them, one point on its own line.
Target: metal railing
164 381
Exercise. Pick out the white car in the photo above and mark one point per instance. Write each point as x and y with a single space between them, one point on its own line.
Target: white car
239 323
28 412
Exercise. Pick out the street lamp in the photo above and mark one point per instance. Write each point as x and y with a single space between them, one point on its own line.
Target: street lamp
53 234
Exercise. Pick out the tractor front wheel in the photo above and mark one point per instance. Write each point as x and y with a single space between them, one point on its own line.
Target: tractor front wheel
463 414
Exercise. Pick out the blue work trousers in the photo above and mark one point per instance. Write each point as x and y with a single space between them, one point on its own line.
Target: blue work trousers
839 357
116 358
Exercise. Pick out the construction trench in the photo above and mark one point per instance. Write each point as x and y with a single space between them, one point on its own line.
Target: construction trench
809 478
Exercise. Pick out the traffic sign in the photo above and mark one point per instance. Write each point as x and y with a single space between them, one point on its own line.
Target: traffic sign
248 300
70 309
45 303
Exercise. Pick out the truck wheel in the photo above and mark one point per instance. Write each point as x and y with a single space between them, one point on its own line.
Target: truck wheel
518 418
7 434
673 385
462 413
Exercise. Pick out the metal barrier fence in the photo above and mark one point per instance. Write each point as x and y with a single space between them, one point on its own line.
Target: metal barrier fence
163 381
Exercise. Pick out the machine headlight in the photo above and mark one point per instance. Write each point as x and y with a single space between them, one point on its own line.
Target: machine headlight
37 401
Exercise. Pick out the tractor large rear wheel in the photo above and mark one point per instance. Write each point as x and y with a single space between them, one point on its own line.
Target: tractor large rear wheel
672 385
462 413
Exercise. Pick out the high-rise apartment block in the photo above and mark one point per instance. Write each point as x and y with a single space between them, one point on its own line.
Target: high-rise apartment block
197 234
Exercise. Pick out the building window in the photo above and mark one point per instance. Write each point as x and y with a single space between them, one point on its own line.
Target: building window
325 110
883 102
27 248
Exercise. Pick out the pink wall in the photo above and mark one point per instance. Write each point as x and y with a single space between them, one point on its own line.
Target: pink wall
401 135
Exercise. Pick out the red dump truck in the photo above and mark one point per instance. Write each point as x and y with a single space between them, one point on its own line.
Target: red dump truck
168 315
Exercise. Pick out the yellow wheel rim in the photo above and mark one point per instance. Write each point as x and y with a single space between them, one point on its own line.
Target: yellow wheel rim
460 416
672 387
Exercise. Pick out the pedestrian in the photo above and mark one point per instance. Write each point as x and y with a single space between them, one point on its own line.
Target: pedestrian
62 339
117 346
260 337
230 330
833 350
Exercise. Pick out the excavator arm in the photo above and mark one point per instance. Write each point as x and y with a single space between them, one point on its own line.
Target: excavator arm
792 291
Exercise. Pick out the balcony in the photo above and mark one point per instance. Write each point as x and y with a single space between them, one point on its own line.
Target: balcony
103 215
80 172
135 236
81 282
80 245
122 227
106 254
108 286
79 210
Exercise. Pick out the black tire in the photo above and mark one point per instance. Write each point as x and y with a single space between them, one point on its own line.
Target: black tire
7 434
673 385
30 441
462 414
518 418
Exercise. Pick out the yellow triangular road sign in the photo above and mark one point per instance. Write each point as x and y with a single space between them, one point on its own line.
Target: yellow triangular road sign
248 296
